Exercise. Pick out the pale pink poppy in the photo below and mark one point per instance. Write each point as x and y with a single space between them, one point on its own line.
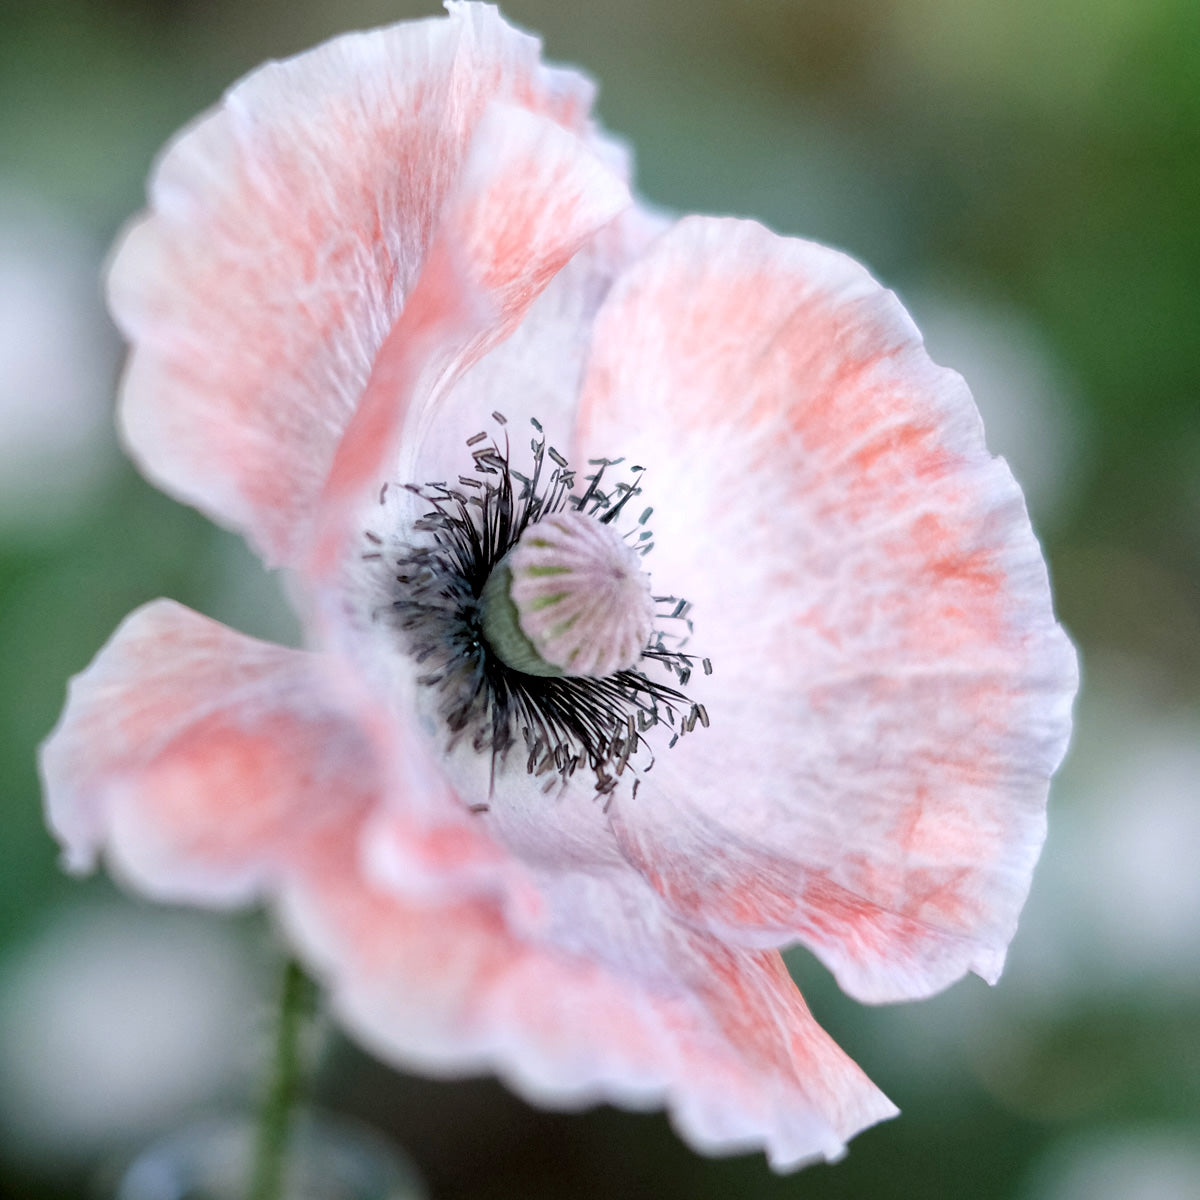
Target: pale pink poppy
345 270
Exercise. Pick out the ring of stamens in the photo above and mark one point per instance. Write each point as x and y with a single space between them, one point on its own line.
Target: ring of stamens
563 723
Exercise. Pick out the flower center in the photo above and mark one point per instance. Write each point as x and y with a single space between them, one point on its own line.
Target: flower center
531 617
570 598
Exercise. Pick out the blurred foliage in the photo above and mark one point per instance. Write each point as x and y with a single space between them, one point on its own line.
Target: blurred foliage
1041 156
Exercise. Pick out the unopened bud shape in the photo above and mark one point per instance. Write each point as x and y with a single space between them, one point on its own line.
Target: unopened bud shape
570 598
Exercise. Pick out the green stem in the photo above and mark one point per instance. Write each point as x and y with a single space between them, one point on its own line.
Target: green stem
283 1088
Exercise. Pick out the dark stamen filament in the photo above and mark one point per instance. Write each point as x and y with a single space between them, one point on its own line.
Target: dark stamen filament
562 722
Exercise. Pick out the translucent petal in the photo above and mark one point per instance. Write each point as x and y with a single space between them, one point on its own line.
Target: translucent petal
890 691
202 762
637 1011
286 231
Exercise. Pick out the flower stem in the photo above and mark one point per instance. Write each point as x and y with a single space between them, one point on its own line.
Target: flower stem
283 1087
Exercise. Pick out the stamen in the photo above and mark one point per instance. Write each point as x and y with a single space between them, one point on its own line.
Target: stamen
595 708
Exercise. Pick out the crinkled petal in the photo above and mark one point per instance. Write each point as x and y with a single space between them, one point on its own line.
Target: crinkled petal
536 372
286 231
890 692
201 761
529 196
662 1016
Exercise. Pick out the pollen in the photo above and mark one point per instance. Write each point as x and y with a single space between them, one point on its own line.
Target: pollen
570 598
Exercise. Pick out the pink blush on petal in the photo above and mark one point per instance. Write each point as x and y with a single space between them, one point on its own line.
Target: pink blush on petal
286 230
223 795
890 691
529 195
202 761
720 1035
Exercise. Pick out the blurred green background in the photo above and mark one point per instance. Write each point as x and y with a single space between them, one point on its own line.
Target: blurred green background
1027 176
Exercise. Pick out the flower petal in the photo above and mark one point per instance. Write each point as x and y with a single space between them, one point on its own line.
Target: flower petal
721 1036
890 691
200 760
529 196
537 371
286 231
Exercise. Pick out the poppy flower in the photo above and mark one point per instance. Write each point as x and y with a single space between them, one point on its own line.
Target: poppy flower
664 605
